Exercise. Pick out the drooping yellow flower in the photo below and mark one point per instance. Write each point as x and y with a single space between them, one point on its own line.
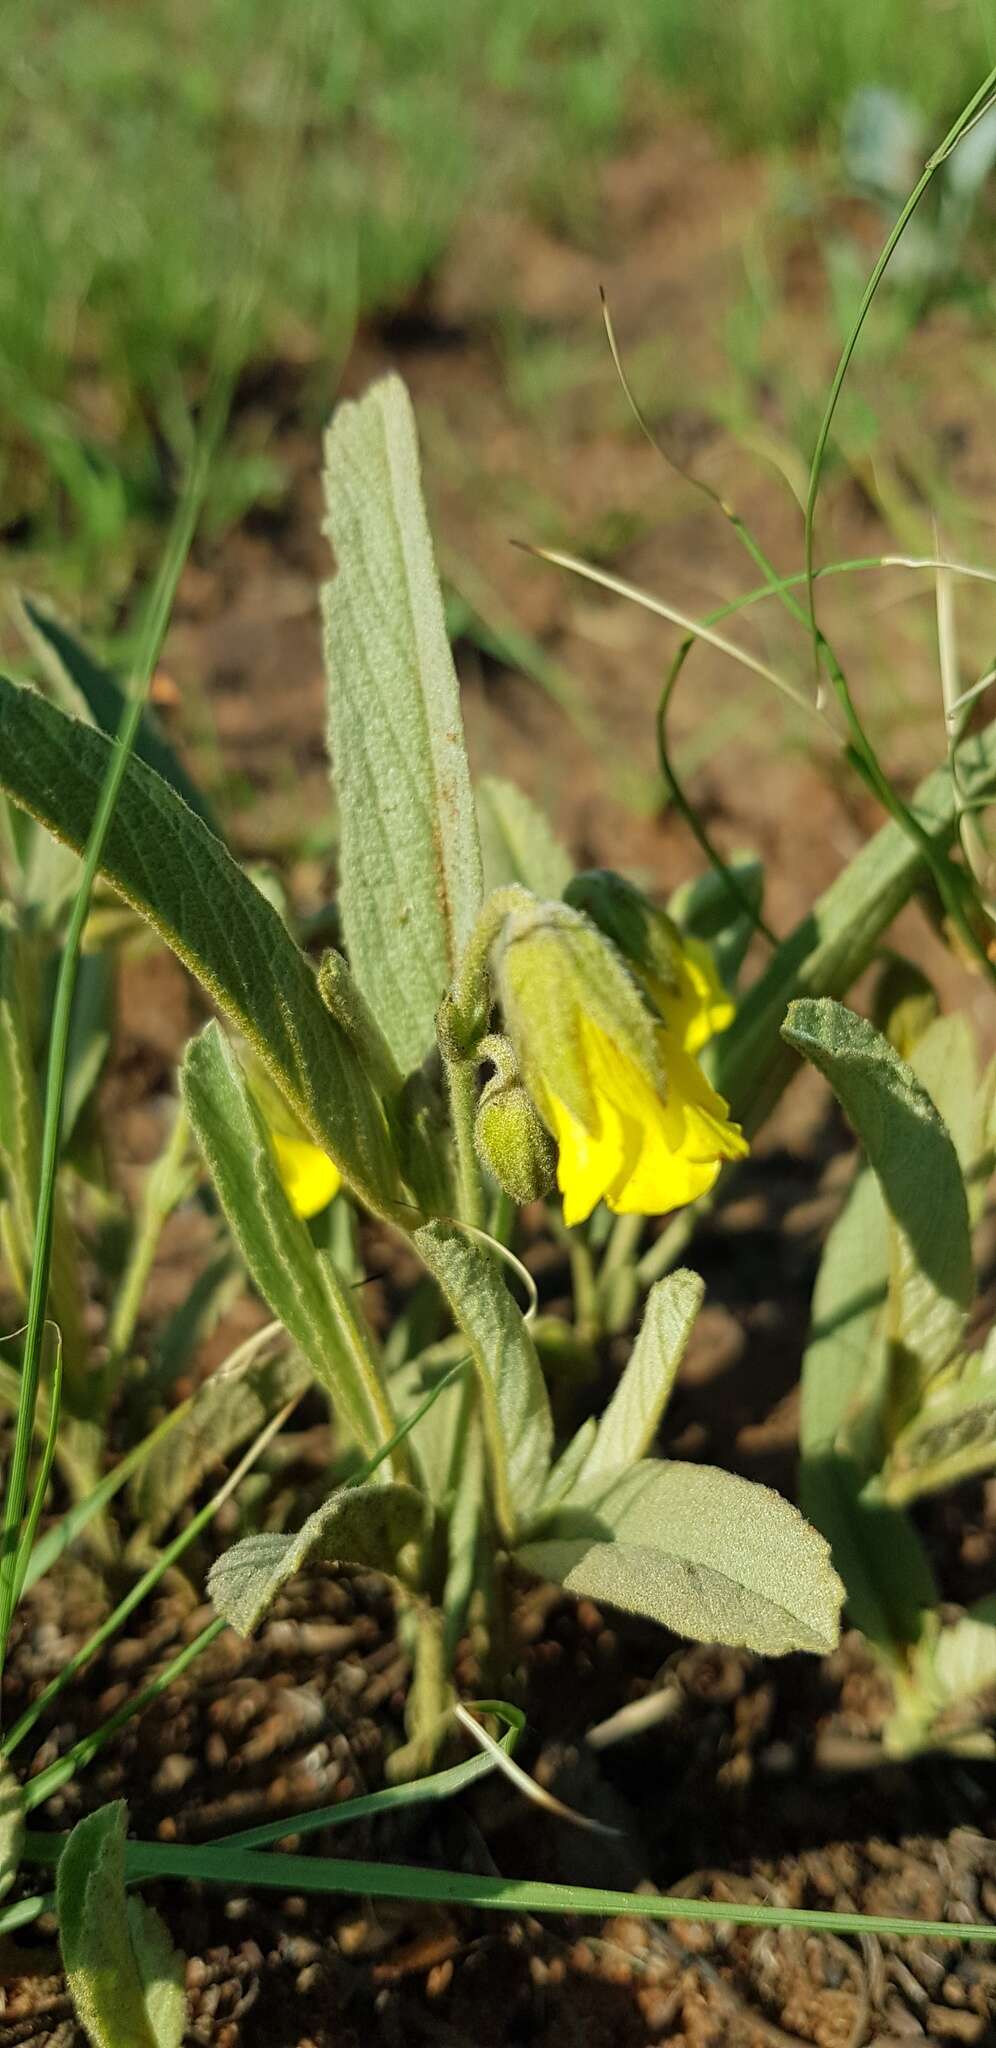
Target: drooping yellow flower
677 971
636 1122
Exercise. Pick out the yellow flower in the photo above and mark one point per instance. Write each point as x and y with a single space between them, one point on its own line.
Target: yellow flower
636 1122
308 1176
700 1005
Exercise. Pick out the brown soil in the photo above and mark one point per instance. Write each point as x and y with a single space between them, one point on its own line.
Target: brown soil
760 1780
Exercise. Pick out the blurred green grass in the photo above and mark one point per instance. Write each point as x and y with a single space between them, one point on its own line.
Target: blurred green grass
139 149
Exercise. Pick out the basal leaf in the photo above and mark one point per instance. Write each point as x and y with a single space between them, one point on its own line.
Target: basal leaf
514 1403
702 1551
911 1151
303 1289
844 1377
360 1525
517 842
629 1425
410 864
125 1977
172 869
963 1664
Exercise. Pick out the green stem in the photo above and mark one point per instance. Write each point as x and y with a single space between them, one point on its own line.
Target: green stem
461 1079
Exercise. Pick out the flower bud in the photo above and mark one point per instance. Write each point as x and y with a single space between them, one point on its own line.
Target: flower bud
511 1139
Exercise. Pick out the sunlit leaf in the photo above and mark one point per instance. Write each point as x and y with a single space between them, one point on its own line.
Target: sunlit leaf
124 1974
361 1525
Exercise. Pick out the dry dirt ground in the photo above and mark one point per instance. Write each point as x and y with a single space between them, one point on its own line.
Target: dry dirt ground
757 1781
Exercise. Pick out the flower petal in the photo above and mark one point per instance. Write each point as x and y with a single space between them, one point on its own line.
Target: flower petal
700 1006
307 1174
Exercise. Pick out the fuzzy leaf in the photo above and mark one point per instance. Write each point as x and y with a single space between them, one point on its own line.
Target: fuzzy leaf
303 1289
514 1403
629 1425
11 1826
125 1977
704 1552
913 1156
963 1663
172 869
844 1381
410 862
517 843
360 1525
224 1414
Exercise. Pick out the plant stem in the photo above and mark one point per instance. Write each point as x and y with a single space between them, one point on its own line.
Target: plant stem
164 1186
461 1080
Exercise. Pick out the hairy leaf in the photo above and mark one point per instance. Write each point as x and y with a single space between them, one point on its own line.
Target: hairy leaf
517 843
704 1552
304 1290
410 861
361 1525
124 1974
952 1435
225 1412
629 1425
172 869
517 1422
910 1149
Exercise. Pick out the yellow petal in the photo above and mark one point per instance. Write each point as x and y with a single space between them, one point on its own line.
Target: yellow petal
700 1006
308 1176
587 1162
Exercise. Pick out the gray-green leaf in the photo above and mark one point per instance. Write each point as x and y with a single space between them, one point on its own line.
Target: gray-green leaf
629 1425
124 1974
360 1525
410 863
516 1410
913 1156
172 869
518 843
703 1551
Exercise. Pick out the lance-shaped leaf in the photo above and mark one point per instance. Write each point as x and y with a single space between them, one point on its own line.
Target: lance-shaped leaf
517 842
629 1425
304 1289
124 1974
912 1154
172 869
82 684
359 1525
705 1552
410 863
514 1404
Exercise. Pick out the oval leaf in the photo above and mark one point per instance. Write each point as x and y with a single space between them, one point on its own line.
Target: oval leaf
704 1552
124 1974
360 1525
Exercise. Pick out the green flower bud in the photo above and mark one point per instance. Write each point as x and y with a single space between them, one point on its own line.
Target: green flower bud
512 1140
